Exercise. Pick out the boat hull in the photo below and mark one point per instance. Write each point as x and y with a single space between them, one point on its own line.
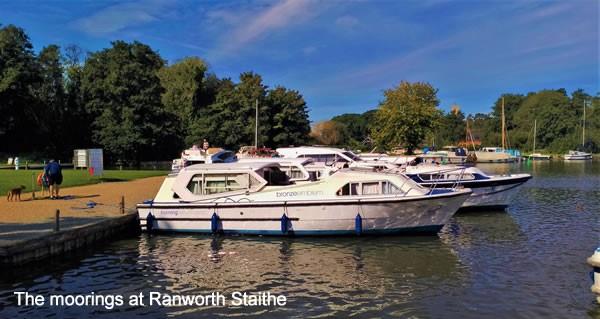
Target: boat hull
578 157
494 197
493 194
377 217
494 157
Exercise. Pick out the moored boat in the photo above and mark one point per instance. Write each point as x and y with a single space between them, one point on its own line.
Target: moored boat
259 199
493 155
489 191
197 155
577 156
538 157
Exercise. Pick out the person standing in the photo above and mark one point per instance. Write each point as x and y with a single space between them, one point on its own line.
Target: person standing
53 172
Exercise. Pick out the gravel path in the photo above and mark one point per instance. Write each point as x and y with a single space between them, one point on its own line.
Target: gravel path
30 218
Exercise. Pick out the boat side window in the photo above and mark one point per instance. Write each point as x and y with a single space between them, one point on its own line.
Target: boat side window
293 172
348 189
207 184
274 176
432 177
390 188
317 158
456 176
369 188
352 156
339 159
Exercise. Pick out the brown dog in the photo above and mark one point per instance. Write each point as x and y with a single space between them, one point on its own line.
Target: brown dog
15 193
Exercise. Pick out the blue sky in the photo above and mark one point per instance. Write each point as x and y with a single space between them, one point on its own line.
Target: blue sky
341 55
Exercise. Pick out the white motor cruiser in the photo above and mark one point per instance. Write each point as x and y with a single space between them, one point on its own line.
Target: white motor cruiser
196 155
489 191
297 169
577 156
258 198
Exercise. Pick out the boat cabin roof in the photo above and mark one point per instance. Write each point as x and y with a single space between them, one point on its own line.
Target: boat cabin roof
253 165
296 161
307 151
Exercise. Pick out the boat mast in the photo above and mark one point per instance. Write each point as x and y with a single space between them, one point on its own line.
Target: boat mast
469 135
583 133
534 133
256 128
503 127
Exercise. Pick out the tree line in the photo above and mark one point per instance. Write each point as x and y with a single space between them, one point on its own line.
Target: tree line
409 117
129 101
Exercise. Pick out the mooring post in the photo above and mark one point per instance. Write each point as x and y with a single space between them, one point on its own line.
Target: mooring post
33 186
122 205
57 220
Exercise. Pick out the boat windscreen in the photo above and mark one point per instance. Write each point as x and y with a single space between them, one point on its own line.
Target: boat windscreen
352 156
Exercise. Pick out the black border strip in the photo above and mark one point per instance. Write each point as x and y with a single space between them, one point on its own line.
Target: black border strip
223 219
303 203
480 183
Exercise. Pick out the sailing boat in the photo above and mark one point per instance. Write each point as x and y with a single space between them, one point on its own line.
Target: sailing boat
537 156
498 154
577 155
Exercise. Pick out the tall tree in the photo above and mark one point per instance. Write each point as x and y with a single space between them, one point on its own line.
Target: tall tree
250 90
77 121
218 122
122 91
51 96
452 127
183 89
512 102
18 75
289 118
358 127
555 120
407 114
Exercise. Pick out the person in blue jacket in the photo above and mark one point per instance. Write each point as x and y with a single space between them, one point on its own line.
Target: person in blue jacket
53 172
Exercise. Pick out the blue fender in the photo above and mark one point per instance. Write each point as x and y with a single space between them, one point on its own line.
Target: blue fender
358 224
214 223
285 224
149 222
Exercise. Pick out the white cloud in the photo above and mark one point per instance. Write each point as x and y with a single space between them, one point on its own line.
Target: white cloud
120 16
256 26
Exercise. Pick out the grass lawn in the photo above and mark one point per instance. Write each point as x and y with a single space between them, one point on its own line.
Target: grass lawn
10 178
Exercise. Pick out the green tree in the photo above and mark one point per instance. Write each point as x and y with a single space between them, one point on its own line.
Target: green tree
289 118
247 92
512 102
183 89
358 127
451 129
407 114
51 98
77 122
19 74
593 124
122 91
219 122
555 120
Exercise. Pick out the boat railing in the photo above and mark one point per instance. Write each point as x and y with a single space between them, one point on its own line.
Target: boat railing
436 181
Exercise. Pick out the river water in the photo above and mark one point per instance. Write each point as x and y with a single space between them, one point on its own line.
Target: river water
528 262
